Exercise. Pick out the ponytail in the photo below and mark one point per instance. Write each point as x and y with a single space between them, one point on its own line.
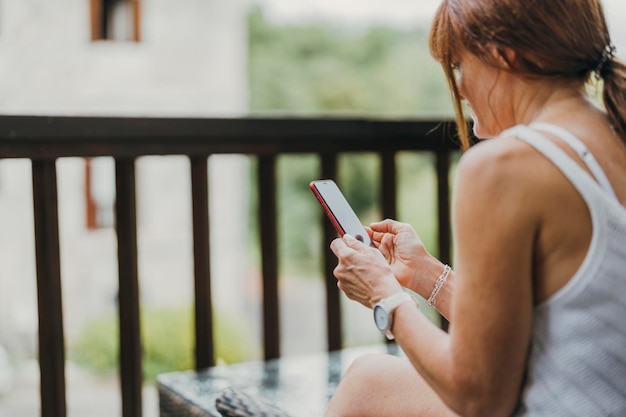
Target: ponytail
614 94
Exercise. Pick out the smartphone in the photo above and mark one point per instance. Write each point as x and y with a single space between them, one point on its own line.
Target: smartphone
338 210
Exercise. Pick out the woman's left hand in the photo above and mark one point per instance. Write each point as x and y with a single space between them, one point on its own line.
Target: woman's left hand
363 274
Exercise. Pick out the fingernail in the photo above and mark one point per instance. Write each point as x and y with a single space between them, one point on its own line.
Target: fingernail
347 238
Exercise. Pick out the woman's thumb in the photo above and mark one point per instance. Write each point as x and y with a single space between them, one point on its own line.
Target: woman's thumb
351 241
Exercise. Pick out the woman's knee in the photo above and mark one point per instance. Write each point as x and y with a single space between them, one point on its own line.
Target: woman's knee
363 386
384 385
367 369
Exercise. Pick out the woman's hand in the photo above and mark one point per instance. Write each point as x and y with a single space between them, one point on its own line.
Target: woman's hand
402 248
363 274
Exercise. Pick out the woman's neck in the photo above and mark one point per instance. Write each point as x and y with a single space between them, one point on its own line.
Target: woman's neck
544 103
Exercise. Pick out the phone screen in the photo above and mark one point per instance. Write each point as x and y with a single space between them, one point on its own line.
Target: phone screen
338 210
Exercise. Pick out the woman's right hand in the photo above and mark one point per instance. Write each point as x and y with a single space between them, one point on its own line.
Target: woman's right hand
403 250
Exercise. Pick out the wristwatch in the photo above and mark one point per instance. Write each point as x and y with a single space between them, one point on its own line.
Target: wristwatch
383 311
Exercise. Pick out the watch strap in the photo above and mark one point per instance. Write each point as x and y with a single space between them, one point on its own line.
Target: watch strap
390 304
393 301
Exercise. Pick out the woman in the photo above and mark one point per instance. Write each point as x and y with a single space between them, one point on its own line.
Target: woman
536 301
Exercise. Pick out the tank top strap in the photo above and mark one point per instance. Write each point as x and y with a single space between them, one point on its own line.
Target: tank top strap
582 151
580 178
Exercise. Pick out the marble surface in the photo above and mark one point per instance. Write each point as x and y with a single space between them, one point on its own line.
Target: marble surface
300 385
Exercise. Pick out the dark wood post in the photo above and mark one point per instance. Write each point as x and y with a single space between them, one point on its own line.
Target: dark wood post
269 254
443 212
205 354
130 331
49 300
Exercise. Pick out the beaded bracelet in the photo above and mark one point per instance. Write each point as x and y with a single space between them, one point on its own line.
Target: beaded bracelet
440 281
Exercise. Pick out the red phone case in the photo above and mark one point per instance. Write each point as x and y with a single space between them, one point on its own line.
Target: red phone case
327 210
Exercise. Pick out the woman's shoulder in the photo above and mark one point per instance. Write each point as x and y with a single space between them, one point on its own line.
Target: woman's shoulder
500 159
503 180
510 173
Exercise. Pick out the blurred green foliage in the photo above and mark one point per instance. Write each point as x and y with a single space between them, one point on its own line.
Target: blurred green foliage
167 341
318 68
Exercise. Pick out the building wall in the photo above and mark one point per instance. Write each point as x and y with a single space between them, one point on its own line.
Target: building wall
191 61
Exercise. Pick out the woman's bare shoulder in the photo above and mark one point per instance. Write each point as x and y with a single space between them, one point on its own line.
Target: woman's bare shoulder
504 179
499 161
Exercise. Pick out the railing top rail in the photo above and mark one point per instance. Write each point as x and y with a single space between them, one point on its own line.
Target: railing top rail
41 137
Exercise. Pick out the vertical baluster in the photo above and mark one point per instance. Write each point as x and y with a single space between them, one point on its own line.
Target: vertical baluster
51 344
130 340
269 254
204 346
443 211
333 304
389 185
388 189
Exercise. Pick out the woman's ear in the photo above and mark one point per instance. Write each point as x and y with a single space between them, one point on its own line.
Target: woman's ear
505 57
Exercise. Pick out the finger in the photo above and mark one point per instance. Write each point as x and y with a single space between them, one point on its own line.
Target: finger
351 242
384 249
342 288
337 246
375 237
337 271
385 226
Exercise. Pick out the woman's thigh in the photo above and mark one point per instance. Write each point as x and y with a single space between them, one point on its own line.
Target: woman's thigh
384 385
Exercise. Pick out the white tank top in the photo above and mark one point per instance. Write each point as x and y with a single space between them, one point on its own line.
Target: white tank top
577 360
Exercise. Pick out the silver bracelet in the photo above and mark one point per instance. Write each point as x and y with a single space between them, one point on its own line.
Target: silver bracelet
440 281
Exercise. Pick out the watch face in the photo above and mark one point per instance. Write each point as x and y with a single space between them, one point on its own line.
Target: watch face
381 318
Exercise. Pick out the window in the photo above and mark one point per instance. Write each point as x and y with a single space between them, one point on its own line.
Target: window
116 20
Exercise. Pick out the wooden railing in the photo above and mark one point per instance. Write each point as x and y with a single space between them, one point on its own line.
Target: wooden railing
44 139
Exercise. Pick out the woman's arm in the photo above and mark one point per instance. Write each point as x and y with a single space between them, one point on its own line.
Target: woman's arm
477 367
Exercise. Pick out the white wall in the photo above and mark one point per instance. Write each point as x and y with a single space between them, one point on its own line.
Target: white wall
191 61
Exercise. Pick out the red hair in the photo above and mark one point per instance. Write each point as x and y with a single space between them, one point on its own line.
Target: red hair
562 39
